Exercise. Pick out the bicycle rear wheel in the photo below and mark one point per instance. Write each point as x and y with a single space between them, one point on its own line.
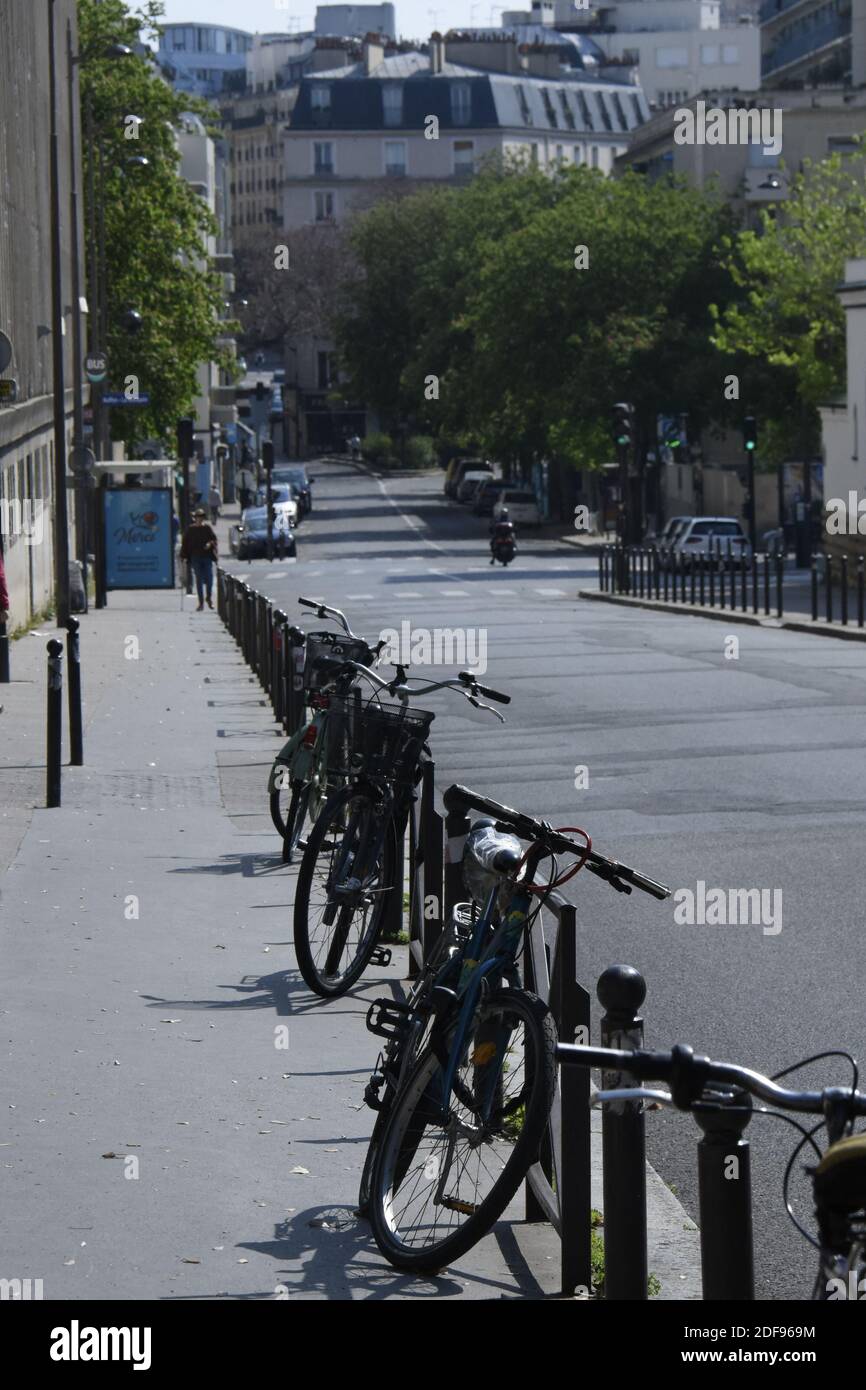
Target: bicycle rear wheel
343 888
444 1173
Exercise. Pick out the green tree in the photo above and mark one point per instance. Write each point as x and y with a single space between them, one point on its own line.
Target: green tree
159 234
786 324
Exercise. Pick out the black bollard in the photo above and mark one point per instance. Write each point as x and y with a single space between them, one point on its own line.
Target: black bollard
4 655
73 677
780 570
814 588
859 590
843 591
621 990
725 1195
54 723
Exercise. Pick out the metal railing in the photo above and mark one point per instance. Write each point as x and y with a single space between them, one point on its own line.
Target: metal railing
261 631
734 583
725 1207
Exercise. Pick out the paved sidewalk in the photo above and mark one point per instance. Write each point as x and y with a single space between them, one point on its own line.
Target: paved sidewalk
159 1140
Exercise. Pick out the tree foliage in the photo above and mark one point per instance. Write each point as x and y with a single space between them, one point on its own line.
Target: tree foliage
158 231
530 341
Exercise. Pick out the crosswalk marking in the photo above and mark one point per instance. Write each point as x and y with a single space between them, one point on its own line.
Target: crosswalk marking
408 593
357 597
551 593
454 593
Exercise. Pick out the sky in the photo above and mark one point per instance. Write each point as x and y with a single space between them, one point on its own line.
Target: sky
415 18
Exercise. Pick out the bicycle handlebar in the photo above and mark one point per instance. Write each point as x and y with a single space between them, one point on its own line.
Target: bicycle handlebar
689 1075
468 679
324 611
619 876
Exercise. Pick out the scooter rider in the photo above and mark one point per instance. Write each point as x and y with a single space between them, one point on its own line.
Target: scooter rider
501 531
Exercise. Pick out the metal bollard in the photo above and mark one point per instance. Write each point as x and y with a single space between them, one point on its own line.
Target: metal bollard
73 677
766 584
656 575
814 587
843 592
692 578
4 655
780 570
601 571
744 583
667 566
859 590
725 1195
621 990
54 723
754 582
828 585
702 563
712 572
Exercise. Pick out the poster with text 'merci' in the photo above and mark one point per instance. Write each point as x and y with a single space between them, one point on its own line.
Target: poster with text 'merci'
139 549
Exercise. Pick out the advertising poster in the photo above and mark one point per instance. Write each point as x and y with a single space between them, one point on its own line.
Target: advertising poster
139 549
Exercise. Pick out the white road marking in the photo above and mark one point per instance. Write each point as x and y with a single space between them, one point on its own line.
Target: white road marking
353 597
454 593
551 593
408 593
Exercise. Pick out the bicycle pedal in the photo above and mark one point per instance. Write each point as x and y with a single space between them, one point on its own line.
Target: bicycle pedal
381 956
455 1204
388 1018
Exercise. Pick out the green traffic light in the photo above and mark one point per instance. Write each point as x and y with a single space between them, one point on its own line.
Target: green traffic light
750 443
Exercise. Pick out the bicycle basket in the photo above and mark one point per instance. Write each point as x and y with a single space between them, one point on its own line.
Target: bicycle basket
387 740
323 648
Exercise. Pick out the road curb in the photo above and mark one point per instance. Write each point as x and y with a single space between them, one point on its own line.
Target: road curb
729 615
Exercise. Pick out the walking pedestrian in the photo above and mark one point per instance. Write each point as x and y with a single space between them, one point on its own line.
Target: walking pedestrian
215 501
199 548
4 592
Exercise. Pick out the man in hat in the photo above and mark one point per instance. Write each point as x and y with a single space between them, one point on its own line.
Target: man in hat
199 547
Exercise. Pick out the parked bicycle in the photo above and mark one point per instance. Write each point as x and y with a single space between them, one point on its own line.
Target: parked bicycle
314 761
839 1176
465 1085
348 872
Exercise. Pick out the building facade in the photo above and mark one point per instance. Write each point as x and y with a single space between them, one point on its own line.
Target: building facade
204 58
27 439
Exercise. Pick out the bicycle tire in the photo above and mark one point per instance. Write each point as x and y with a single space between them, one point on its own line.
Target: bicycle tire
344 809
278 816
415 1110
296 818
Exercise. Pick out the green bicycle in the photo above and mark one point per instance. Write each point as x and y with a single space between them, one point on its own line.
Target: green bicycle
314 761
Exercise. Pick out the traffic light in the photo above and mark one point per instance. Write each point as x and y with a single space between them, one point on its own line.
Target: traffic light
623 424
750 433
185 439
267 455
261 390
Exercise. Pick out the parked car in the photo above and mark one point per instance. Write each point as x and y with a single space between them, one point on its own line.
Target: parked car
487 496
663 542
458 467
710 535
470 482
282 495
249 539
296 474
521 505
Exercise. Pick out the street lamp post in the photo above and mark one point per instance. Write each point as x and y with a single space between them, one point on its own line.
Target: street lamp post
61 516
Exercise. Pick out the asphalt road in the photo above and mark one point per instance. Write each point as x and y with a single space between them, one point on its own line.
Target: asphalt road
731 755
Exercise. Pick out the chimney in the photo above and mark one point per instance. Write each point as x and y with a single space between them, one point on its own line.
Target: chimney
374 53
437 53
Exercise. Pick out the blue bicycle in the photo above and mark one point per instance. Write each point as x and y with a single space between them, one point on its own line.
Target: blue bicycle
465 1088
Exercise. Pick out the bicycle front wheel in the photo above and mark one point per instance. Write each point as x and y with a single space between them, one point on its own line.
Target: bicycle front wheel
296 818
346 877
447 1167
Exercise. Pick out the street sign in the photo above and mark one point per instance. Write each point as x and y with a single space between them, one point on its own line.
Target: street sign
118 398
95 366
8 391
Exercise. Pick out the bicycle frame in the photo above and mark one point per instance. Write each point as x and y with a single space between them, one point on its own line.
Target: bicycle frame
479 962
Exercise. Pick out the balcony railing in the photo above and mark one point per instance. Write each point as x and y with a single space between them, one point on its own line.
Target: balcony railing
807 43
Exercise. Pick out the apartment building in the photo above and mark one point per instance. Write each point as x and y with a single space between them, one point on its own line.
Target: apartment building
679 48
432 117
814 125
27 426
